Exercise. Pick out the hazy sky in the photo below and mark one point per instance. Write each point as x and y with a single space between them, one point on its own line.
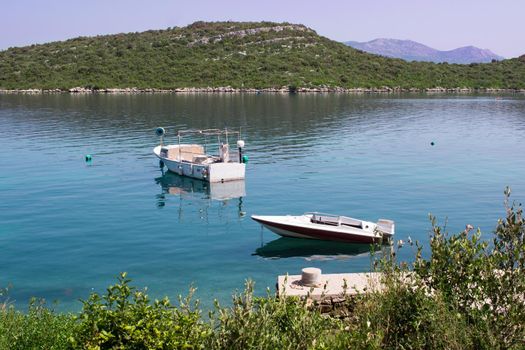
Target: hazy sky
445 24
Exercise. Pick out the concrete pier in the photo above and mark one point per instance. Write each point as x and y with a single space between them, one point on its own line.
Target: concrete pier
329 285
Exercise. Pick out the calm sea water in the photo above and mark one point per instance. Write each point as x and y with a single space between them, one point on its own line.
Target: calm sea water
68 227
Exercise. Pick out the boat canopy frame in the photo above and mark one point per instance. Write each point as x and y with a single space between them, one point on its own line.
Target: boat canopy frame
219 133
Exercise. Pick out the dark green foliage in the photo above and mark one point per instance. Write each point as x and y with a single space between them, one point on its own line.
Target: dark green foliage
404 317
124 318
221 54
484 283
270 323
39 328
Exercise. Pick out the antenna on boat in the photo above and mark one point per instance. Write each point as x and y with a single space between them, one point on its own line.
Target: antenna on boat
178 138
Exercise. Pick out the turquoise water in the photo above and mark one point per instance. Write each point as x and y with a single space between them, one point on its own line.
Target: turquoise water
68 227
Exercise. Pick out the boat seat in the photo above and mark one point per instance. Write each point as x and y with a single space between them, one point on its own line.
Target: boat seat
199 159
336 221
326 220
351 222
185 153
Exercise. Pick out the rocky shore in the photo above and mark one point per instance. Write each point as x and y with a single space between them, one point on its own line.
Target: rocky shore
284 89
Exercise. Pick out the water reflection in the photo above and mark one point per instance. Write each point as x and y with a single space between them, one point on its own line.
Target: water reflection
283 126
200 193
175 184
285 247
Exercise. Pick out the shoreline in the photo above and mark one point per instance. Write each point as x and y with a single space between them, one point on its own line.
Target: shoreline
282 90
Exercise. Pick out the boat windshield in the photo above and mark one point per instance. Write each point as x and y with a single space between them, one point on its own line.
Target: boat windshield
335 220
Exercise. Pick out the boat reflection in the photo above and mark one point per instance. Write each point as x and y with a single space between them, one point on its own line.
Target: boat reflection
286 247
174 184
200 194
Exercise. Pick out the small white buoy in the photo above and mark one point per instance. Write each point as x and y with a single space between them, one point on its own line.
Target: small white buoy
310 276
240 144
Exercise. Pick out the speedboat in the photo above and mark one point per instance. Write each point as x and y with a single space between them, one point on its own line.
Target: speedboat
193 160
328 227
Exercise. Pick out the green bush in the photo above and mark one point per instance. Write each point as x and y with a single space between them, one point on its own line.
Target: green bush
124 318
484 283
271 323
404 317
39 328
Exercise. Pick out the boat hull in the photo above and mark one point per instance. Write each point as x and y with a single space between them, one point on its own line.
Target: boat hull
214 172
299 227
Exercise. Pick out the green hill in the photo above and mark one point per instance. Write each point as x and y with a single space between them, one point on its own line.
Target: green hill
250 55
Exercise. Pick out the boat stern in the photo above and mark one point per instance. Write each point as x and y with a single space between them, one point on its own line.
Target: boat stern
387 227
222 172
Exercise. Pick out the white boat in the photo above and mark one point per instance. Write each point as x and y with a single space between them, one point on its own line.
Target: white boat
193 160
328 227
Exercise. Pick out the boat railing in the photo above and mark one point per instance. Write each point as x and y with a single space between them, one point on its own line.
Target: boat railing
196 156
186 152
208 132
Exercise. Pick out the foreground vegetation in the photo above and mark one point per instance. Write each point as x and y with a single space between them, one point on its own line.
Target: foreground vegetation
468 294
236 54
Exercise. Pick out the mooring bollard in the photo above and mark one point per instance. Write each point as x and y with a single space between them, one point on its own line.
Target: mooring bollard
310 276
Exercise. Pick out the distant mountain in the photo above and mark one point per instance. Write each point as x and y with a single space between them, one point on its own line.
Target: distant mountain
413 51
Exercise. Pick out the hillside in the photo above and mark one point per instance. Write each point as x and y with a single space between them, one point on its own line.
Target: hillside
413 51
255 55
